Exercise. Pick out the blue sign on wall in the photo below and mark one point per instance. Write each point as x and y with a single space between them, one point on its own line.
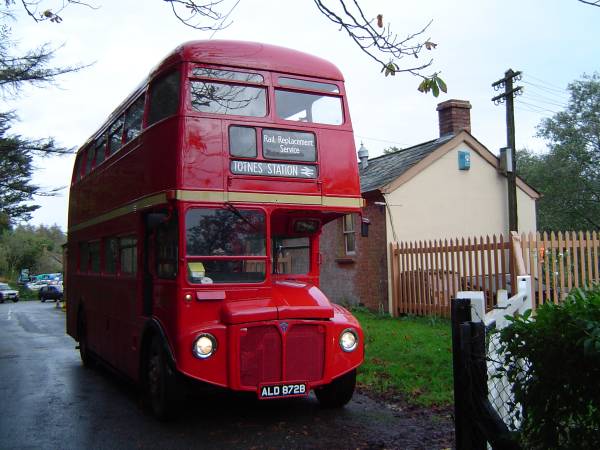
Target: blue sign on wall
464 160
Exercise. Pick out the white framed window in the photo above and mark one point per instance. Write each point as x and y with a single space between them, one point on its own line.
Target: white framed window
349 235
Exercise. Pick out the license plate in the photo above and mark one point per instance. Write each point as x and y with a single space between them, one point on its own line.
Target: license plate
286 390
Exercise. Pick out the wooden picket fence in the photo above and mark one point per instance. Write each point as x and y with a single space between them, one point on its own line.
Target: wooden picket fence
426 275
560 262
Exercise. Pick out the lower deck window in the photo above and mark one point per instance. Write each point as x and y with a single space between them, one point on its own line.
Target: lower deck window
128 255
227 245
208 272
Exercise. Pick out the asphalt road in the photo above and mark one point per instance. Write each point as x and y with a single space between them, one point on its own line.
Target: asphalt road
48 400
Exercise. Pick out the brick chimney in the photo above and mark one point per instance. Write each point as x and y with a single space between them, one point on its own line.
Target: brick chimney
454 116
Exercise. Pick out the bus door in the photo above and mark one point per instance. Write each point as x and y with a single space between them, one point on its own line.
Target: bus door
160 254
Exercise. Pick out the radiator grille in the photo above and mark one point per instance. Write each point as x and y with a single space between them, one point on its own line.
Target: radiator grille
305 353
261 354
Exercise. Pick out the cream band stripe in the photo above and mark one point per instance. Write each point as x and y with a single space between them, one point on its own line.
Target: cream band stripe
221 197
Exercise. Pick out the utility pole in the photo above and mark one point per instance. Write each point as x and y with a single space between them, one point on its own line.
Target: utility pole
507 96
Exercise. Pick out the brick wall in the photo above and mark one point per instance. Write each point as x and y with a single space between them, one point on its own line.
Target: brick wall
338 275
371 276
359 279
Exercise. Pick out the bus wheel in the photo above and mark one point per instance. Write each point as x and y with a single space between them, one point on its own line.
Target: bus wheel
84 351
337 393
159 382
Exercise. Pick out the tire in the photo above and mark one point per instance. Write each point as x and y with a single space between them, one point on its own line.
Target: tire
160 387
337 393
15 300
42 298
1 299
87 358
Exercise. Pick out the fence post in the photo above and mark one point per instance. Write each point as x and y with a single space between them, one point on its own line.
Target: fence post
460 314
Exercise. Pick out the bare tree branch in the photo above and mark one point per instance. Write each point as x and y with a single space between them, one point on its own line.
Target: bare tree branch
590 2
381 44
203 16
32 8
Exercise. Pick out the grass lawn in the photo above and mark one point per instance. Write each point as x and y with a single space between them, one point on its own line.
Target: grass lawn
410 356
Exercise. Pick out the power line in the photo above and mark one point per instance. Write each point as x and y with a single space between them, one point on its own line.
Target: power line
540 99
546 93
550 85
538 107
382 140
547 90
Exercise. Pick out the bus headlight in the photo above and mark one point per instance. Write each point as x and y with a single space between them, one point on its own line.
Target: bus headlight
349 340
204 346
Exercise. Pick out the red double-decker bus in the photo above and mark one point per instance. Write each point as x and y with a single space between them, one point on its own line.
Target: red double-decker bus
194 220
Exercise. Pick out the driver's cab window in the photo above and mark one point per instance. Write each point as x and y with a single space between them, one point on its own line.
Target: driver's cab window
291 255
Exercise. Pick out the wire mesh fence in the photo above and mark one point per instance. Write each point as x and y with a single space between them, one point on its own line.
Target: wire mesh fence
499 388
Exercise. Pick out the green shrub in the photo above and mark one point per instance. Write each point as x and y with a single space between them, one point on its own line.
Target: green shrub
553 361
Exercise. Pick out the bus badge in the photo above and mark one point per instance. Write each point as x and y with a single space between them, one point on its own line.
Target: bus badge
283 326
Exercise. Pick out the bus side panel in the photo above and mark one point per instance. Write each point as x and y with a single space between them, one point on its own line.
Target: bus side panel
339 170
202 161
72 303
145 166
124 335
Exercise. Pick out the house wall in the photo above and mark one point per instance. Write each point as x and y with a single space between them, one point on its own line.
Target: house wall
359 279
442 201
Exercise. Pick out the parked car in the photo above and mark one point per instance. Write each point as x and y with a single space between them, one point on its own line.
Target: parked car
7 293
36 285
50 292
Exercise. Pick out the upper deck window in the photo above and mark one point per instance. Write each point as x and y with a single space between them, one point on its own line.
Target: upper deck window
133 119
313 108
164 97
228 75
115 141
312 85
77 169
100 145
231 99
90 156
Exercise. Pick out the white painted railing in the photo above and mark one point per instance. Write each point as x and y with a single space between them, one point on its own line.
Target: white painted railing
499 388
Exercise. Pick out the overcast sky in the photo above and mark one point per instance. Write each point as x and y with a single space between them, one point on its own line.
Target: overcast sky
552 41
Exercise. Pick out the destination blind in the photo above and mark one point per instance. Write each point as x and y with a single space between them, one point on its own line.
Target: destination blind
289 145
266 169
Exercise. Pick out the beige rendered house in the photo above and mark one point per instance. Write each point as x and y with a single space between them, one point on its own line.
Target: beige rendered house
445 188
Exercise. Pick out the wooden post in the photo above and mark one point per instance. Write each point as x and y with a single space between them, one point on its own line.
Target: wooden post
395 276
517 255
460 313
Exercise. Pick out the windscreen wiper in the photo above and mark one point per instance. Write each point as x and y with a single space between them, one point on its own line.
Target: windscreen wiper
237 212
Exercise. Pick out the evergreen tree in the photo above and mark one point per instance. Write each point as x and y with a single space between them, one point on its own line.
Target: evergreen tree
17 152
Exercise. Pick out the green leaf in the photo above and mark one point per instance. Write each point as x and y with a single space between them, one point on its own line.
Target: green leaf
435 90
442 85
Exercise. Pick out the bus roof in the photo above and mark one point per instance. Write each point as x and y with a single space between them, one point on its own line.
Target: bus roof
254 55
